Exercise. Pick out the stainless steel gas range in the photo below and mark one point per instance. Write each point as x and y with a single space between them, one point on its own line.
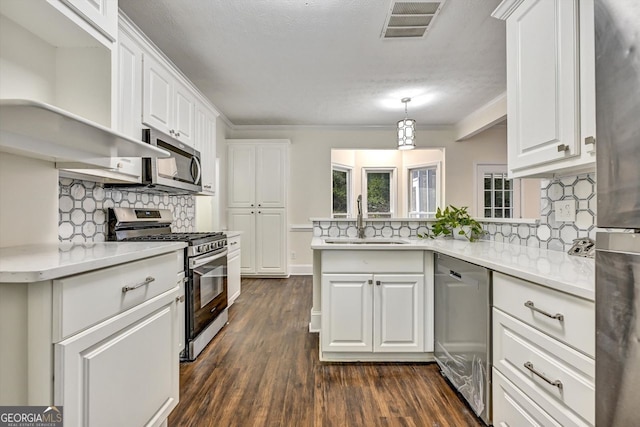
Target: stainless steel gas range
205 269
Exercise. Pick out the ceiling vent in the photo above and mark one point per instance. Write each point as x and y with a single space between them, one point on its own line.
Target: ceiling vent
410 19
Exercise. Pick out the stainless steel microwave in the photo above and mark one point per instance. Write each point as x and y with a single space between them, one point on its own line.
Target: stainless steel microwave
181 172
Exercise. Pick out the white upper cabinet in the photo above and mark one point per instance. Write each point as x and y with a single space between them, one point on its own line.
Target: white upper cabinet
242 176
258 175
205 143
103 14
271 170
550 85
166 105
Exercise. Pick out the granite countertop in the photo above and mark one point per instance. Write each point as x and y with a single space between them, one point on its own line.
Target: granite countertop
35 263
554 269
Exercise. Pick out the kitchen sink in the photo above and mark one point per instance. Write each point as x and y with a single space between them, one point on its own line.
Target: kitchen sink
370 241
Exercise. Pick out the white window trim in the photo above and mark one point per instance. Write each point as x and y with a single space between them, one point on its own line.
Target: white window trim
439 188
392 191
478 196
349 171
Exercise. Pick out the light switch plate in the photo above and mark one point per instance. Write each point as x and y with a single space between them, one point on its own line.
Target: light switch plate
565 210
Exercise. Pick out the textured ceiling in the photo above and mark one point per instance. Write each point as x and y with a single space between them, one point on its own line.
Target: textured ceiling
323 62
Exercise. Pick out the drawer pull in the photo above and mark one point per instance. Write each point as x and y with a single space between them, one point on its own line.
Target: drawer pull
562 148
377 282
234 243
557 316
556 383
146 281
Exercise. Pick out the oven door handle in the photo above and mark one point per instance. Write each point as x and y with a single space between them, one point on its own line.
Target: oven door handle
196 178
197 262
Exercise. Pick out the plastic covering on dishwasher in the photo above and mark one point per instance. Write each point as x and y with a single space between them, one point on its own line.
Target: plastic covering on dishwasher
467 373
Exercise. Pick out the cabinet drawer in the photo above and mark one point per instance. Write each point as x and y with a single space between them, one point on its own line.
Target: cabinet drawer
512 408
371 261
233 244
85 299
577 328
572 400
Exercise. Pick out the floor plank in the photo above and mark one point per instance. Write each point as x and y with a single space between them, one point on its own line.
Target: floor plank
262 369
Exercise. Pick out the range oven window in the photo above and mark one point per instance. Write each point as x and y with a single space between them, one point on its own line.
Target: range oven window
208 288
211 282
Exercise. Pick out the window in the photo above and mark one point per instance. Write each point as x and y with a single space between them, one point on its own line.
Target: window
423 191
341 200
378 192
498 196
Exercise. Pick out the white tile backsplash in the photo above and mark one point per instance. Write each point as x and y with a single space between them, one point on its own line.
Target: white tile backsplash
82 207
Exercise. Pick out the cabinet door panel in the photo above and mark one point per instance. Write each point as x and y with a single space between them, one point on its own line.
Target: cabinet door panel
346 313
242 176
244 220
542 76
99 372
512 408
157 103
270 241
233 277
129 87
271 171
184 114
399 313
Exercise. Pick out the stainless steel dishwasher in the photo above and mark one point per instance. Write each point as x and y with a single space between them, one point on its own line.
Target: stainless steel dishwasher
463 330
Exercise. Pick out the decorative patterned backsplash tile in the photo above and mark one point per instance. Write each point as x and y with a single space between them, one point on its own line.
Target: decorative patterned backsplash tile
83 205
547 234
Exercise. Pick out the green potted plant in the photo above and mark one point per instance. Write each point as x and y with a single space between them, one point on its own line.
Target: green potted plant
457 223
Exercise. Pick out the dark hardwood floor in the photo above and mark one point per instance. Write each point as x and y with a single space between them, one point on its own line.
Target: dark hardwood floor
262 369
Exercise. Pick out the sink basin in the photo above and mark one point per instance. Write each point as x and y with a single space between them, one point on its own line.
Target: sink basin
370 241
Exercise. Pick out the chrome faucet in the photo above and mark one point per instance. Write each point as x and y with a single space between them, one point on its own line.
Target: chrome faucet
359 225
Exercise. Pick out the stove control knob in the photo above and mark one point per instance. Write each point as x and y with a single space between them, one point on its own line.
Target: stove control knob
198 249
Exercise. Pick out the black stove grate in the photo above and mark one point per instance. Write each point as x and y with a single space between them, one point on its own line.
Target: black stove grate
177 237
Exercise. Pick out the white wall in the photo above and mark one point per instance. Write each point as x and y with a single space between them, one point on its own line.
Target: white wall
310 182
28 201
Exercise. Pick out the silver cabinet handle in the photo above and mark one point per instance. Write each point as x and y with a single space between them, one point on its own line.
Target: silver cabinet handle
146 281
171 131
180 298
370 282
377 282
563 147
177 134
213 309
234 243
556 383
557 316
590 140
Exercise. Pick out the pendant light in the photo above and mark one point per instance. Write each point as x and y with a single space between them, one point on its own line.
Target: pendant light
406 130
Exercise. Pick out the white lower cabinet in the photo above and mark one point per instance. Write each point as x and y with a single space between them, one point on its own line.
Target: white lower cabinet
123 371
233 269
379 313
512 408
264 244
544 370
101 343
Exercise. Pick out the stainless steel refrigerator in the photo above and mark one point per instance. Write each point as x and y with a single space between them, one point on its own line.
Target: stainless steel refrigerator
617 40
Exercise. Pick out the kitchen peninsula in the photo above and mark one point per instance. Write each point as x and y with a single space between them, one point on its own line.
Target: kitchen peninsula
542 311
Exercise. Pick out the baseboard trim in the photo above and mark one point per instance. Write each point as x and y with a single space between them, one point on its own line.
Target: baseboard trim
314 323
376 357
301 269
